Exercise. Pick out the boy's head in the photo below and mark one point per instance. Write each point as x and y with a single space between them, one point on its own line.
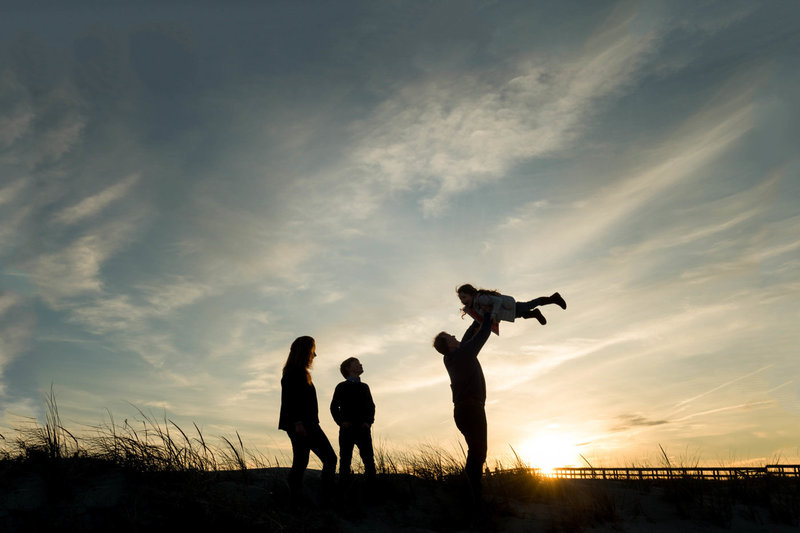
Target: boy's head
351 367
444 343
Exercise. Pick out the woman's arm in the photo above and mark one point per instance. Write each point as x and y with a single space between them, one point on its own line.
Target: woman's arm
292 397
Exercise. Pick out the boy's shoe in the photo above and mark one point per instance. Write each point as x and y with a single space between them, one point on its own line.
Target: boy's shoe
535 313
558 300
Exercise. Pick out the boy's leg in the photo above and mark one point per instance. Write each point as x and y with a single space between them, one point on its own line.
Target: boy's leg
346 442
364 444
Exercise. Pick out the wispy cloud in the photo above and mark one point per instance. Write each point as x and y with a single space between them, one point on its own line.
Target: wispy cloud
717 410
235 246
91 206
16 113
59 137
76 268
682 157
680 406
11 192
451 136
17 324
628 421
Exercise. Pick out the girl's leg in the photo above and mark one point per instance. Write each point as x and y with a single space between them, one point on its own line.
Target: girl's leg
526 310
554 298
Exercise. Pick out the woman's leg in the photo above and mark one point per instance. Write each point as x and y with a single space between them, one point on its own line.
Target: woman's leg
300 452
322 448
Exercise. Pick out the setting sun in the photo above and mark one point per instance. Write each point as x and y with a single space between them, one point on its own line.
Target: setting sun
549 451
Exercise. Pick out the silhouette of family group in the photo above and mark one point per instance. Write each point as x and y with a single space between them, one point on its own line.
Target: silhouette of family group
353 408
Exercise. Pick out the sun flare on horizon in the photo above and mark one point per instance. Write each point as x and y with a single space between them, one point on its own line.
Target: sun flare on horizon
549 451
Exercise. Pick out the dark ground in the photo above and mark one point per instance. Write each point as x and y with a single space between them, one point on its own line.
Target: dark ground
89 495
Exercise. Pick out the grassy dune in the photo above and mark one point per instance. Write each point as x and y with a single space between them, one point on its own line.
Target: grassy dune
154 475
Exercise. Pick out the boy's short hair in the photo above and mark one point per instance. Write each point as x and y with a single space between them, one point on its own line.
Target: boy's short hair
346 364
440 343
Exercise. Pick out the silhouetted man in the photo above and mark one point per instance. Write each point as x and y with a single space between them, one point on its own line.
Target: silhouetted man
469 393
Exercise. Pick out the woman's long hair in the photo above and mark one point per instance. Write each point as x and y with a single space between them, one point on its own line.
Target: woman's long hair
300 358
472 291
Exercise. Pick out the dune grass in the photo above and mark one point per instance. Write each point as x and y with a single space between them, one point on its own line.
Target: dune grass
151 473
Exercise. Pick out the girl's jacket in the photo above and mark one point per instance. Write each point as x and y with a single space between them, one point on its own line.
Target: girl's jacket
501 306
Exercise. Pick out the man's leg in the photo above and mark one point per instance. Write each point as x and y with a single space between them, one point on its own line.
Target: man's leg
471 421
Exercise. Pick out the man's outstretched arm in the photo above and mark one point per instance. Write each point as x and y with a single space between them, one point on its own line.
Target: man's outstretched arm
471 331
476 342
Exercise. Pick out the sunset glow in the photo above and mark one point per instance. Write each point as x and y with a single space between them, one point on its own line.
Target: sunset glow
549 451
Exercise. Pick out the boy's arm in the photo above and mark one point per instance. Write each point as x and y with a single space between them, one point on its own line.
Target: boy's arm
370 406
336 402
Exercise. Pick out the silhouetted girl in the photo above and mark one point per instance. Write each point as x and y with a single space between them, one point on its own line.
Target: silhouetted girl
300 419
503 307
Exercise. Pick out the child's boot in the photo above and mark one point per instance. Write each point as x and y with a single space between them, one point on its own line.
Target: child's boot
535 313
558 300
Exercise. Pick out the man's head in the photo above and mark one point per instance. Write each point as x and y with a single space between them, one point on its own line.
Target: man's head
351 367
444 343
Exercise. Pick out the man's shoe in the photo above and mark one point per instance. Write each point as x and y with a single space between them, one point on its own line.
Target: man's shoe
558 300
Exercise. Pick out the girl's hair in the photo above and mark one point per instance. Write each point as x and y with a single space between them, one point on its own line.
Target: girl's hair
300 356
472 291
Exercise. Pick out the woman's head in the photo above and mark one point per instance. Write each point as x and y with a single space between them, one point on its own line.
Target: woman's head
301 355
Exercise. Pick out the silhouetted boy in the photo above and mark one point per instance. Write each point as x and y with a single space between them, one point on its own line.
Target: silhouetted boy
354 411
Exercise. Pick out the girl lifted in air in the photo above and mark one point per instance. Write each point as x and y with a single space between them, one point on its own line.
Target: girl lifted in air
503 307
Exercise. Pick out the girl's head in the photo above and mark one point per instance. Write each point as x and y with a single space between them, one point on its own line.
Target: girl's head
301 355
466 293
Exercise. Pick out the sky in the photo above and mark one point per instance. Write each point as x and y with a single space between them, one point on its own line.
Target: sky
186 187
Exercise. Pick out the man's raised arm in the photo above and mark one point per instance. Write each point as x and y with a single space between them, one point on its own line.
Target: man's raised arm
474 344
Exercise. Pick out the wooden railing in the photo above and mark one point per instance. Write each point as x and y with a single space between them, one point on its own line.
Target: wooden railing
700 472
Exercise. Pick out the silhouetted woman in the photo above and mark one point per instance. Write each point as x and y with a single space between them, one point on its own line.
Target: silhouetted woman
299 418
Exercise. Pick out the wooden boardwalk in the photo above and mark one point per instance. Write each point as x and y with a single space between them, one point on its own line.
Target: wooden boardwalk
699 472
